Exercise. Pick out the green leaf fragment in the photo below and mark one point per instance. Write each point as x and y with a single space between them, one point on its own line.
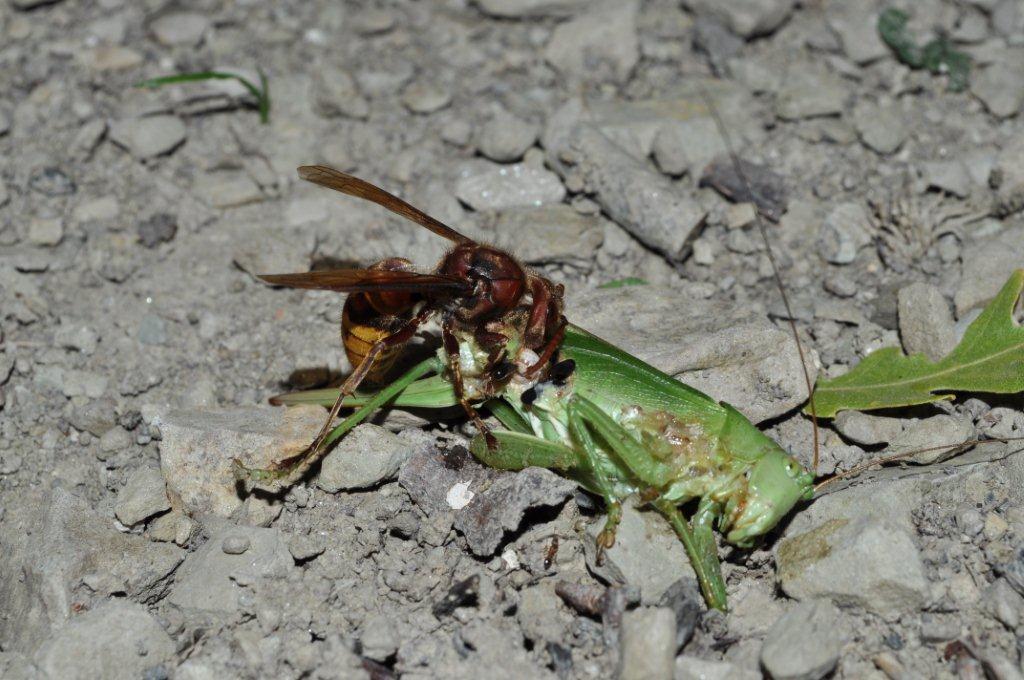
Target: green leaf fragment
261 93
990 358
938 56
621 283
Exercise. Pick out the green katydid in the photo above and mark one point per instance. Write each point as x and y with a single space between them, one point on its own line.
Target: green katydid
569 400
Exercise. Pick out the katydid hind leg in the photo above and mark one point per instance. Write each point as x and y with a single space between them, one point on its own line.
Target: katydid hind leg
637 459
699 542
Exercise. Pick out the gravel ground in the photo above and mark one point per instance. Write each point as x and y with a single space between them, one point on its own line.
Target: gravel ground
137 350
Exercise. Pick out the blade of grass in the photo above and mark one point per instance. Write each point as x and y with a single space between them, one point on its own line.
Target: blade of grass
262 93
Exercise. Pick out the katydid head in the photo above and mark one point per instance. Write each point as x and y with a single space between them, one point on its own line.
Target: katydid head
776 483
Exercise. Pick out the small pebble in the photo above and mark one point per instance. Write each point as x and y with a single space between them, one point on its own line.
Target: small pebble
740 215
46 231
506 138
647 644
180 28
157 229
841 285
424 97
803 644
235 545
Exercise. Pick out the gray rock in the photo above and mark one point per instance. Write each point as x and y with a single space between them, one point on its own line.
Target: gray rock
304 547
881 128
730 353
810 92
506 138
551 234
212 579
684 599
1004 603
939 435
152 330
142 497
971 28
856 26
500 507
117 640
157 229
87 139
647 554
45 231
54 540
541 615
693 668
365 457
803 644
235 544
844 232
486 186
647 647
868 429
841 285
864 561
149 137
747 183
335 93
1000 87
71 382
987 264
76 335
378 637
180 28
373 21
687 146
712 37
939 628
268 248
949 176
482 503
103 58
529 9
599 44
228 189
926 322
197 449
425 97
746 18
642 202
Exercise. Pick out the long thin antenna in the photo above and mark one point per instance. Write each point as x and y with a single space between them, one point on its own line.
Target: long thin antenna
857 469
742 176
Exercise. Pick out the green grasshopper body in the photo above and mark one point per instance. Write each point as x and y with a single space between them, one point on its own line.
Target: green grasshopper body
619 427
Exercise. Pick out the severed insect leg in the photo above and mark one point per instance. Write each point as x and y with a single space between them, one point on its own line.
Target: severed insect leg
699 542
291 471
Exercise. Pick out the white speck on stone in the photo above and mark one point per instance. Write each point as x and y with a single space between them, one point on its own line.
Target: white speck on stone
510 559
459 496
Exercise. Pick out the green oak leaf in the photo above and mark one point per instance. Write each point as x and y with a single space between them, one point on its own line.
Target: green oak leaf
990 358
